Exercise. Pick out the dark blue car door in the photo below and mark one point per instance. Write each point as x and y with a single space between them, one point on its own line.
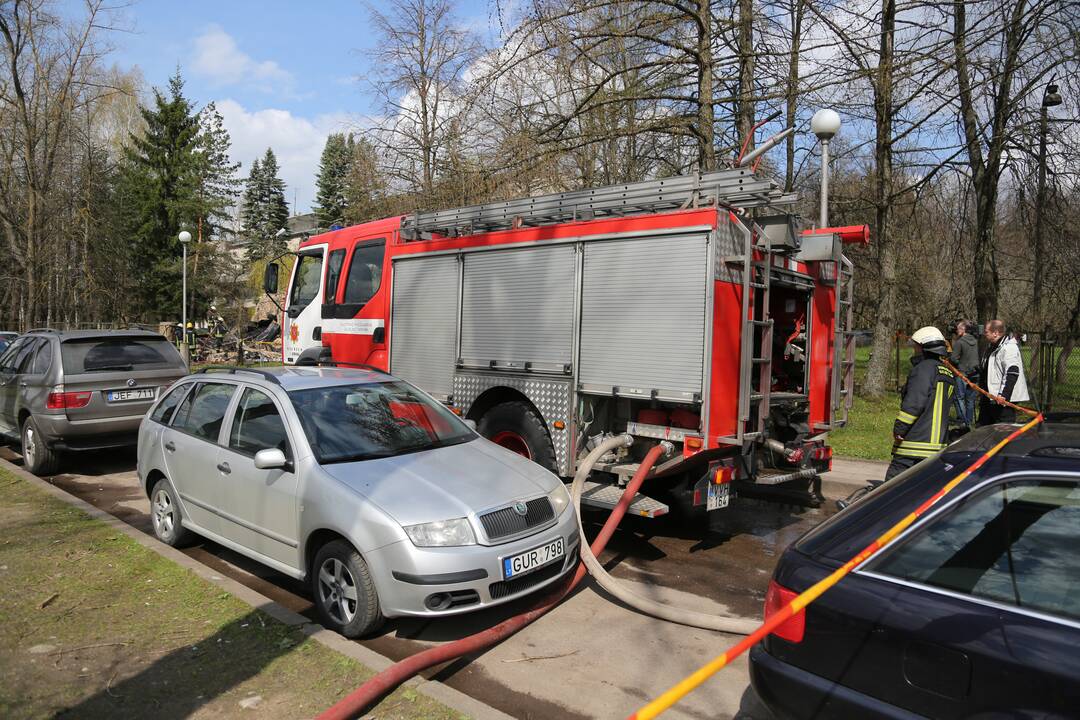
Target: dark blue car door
980 606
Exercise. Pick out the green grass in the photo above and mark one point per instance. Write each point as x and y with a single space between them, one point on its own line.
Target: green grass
93 625
868 433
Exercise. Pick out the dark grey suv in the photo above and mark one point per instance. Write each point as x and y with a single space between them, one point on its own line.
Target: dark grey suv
80 390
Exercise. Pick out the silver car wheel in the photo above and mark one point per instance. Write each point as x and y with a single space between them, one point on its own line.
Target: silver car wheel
337 590
164 514
29 445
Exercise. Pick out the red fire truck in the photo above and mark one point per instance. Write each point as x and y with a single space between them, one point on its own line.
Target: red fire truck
693 309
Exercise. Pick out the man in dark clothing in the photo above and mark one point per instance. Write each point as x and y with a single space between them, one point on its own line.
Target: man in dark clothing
965 358
1002 376
922 426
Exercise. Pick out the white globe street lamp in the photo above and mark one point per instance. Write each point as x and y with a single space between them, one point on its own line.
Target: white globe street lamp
825 124
184 237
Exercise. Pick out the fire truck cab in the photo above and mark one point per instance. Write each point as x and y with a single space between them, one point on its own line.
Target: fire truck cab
695 310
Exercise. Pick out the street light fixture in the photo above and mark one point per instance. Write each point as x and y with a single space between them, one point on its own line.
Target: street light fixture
1051 98
825 124
184 237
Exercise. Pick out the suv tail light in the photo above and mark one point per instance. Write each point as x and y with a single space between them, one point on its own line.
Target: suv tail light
776 598
64 400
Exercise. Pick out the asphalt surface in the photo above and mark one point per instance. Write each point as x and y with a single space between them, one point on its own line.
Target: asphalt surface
590 657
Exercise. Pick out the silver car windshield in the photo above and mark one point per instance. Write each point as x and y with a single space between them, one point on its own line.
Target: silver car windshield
347 423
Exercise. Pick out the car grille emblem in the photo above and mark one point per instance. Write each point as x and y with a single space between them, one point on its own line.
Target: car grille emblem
131 382
520 508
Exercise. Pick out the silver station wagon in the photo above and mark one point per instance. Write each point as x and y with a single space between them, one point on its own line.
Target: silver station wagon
382 499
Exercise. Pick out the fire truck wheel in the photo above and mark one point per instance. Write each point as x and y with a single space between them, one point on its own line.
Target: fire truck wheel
518 427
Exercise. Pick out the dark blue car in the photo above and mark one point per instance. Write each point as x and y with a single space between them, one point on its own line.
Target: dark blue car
974 612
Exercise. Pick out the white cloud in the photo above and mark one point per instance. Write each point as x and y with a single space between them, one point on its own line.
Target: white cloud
222 62
297 142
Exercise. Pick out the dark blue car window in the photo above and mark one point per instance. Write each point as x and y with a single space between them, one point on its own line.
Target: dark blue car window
1014 543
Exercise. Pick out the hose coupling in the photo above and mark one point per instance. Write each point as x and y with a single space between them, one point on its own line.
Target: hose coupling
668 447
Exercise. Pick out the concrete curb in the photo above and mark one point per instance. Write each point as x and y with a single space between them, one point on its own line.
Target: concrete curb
448 696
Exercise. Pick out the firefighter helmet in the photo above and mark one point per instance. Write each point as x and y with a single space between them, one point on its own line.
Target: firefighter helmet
190 325
930 338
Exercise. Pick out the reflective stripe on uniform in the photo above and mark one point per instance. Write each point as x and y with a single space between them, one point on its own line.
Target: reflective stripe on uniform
906 418
935 425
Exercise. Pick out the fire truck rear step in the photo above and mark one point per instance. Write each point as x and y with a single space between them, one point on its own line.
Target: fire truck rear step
605 497
771 476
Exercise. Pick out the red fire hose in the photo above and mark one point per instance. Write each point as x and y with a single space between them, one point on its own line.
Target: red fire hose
353 704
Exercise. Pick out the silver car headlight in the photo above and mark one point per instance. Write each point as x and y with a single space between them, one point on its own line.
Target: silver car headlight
441 533
560 499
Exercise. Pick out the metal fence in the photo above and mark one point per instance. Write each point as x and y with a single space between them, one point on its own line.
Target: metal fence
1054 374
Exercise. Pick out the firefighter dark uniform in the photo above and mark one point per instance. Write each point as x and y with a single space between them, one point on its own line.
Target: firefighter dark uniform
921 428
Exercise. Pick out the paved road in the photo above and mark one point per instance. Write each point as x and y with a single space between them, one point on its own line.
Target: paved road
590 657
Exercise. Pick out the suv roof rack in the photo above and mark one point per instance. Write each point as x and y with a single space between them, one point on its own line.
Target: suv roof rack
233 370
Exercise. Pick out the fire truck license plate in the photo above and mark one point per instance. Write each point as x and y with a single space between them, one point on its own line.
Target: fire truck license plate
719 496
532 559
125 395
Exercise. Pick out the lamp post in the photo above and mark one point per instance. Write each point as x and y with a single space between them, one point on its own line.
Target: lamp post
1051 98
184 237
825 124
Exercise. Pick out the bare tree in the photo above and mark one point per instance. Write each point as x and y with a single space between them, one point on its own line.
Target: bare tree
421 63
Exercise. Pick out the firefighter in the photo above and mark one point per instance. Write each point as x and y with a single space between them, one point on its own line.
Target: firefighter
178 336
922 427
191 340
217 326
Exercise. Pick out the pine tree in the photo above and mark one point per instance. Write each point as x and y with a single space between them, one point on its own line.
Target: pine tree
159 176
218 186
365 190
331 201
264 211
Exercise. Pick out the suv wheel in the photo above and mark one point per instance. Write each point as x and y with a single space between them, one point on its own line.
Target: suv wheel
344 591
37 457
165 515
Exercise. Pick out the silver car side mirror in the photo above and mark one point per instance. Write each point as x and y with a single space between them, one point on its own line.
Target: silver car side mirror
270 459
471 424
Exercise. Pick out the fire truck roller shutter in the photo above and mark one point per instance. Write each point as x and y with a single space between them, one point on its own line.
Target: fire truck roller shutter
518 307
651 288
423 324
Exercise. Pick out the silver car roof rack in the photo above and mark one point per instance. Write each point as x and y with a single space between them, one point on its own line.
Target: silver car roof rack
233 370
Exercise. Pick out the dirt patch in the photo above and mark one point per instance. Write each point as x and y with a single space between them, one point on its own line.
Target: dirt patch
96 626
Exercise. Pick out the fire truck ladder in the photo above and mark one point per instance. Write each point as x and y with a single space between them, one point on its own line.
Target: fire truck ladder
844 346
755 354
736 187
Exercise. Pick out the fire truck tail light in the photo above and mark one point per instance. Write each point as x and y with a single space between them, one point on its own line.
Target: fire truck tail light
776 598
723 475
66 400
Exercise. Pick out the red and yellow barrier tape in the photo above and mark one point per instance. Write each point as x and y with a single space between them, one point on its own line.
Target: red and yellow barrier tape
684 687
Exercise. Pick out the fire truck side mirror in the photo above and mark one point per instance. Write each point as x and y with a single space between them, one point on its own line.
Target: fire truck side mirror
270 278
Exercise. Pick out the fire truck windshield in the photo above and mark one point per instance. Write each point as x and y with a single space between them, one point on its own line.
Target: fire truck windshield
305 287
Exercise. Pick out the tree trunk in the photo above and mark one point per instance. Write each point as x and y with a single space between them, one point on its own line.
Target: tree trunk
885 324
744 114
706 142
792 92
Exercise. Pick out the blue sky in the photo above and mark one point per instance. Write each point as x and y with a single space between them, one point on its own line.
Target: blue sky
283 74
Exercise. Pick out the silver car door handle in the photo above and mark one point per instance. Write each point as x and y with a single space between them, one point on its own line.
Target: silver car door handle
224 467
170 447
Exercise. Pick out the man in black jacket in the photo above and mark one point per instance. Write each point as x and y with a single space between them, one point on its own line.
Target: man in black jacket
921 428
965 358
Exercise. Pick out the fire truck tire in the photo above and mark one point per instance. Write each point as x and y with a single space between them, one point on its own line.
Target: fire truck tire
517 426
